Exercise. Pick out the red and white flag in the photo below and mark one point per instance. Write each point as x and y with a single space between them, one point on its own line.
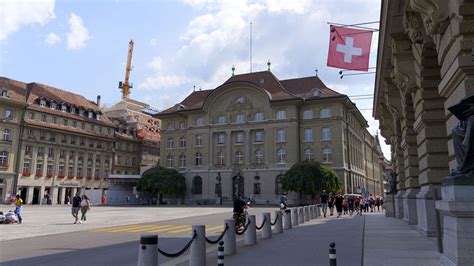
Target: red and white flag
349 48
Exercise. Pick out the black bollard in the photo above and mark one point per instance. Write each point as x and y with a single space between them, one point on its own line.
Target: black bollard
220 254
332 255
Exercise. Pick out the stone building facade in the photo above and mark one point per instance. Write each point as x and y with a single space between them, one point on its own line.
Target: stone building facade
254 127
12 105
424 66
66 145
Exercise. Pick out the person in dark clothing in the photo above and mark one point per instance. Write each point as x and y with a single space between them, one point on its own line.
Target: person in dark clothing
239 212
331 203
324 202
338 200
76 206
351 205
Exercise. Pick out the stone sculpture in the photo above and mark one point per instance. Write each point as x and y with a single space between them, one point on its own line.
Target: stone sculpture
463 135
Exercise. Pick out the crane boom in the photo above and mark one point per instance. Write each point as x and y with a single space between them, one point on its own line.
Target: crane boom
125 85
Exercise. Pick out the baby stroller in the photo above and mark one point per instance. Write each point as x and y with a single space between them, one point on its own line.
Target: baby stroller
10 218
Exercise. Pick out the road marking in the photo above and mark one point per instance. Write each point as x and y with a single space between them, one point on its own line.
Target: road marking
213 228
123 227
154 228
176 229
142 228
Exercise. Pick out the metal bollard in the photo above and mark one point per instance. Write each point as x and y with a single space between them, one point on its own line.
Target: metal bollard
279 223
198 247
267 227
311 212
287 223
332 254
220 254
251 233
306 213
300 215
148 250
229 238
294 216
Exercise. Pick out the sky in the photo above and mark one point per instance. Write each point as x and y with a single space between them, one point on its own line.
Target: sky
81 46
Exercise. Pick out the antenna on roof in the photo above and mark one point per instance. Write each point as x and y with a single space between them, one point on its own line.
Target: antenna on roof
250 46
233 69
269 64
194 88
316 70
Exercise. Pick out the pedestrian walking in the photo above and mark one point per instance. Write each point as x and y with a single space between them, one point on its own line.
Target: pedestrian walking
345 207
85 207
18 208
331 203
76 206
377 203
338 200
324 202
350 202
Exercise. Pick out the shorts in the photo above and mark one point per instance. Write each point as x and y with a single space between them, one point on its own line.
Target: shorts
324 205
75 210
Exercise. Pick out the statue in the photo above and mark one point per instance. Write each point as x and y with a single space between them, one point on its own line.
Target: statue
463 135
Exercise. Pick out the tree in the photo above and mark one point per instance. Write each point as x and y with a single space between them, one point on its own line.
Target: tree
162 181
310 177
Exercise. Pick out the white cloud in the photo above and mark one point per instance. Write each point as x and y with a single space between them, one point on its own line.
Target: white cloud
52 39
153 42
78 34
16 14
292 6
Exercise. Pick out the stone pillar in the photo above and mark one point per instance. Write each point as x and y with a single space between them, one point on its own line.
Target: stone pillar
228 148
247 148
62 191
53 194
29 195
41 194
73 192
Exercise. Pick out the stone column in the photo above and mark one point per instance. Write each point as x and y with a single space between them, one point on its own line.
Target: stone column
228 148
53 194
41 194
62 190
29 195
247 158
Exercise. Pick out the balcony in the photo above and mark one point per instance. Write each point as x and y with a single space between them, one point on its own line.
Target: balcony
50 157
79 177
61 176
70 177
38 174
26 173
49 175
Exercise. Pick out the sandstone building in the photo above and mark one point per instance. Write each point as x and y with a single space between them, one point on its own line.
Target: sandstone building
254 127
424 66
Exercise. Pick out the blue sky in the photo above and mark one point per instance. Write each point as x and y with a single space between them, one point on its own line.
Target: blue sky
81 46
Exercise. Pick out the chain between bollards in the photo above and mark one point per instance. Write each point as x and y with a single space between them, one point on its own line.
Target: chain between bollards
220 254
219 238
276 219
185 248
332 254
245 228
263 223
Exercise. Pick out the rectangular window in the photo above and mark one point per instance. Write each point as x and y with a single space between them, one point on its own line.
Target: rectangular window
79 172
325 113
39 169
326 133
221 120
327 155
32 116
198 159
182 160
89 172
169 160
308 114
26 169
50 152
239 138
8 114
198 140
199 121
220 138
49 170
65 122
256 189
27 150
43 118
182 142
6 134
308 134
40 151
259 136
280 135
55 120
169 144
70 172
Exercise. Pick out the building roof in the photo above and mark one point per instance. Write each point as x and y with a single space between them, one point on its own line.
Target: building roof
31 92
290 89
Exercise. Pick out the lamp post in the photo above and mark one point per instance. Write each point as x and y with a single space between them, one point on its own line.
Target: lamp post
219 187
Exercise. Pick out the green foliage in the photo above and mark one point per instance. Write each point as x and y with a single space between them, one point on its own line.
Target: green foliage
163 181
310 177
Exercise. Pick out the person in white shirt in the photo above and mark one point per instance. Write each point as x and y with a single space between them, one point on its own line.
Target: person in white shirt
85 206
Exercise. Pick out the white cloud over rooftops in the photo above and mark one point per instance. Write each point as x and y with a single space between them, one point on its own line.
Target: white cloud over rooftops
52 39
78 34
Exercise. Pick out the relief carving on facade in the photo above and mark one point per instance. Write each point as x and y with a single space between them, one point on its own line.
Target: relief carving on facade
413 26
434 13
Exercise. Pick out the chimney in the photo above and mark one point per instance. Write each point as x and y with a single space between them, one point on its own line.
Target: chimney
98 101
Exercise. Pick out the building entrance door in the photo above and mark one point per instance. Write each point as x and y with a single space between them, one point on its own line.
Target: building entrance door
237 186
36 192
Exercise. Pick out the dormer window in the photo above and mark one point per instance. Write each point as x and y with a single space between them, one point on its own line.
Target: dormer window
317 93
42 102
52 105
63 108
81 112
90 114
73 110
98 116
4 93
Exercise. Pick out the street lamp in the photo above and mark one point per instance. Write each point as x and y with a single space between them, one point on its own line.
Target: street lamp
219 187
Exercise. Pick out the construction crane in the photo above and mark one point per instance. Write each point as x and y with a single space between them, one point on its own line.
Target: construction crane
125 85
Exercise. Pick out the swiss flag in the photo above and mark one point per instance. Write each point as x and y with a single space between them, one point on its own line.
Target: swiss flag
349 48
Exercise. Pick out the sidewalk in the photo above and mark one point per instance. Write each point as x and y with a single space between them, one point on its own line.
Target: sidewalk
372 239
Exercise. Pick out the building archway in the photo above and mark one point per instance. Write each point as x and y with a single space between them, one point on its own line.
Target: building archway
237 186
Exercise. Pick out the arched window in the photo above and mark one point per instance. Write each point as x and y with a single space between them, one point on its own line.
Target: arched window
281 156
278 184
308 114
325 113
3 158
281 114
197 185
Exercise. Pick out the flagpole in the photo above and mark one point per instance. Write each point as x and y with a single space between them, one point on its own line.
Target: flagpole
355 25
